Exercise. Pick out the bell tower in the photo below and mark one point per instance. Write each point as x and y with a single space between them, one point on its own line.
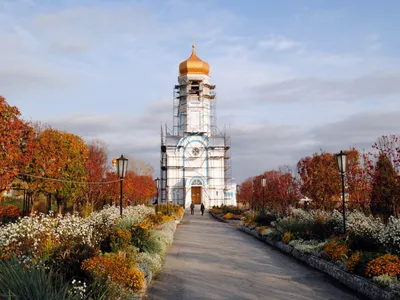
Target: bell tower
195 155
195 96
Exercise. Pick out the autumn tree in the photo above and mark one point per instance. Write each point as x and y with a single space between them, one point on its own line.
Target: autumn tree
139 189
246 192
384 197
73 172
139 166
15 143
31 173
320 180
358 180
390 146
280 192
96 168
58 165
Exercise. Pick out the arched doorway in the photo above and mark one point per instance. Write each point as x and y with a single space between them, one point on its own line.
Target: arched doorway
196 191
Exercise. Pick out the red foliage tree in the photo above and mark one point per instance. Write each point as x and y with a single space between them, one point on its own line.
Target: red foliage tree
16 138
384 197
139 189
320 180
96 168
246 192
358 180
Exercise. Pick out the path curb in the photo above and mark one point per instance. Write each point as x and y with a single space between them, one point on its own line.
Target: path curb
354 282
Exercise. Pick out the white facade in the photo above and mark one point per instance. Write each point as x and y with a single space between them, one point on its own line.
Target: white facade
195 159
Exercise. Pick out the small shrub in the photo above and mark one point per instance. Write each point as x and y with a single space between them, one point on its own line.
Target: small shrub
217 211
336 250
9 213
231 216
286 237
170 209
364 243
262 228
308 246
119 239
228 216
152 262
231 209
141 233
365 258
385 280
117 269
353 260
387 264
265 219
67 258
165 219
155 219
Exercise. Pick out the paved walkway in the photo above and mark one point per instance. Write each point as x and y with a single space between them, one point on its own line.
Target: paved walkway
213 260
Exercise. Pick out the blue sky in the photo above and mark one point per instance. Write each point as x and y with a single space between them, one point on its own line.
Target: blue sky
292 77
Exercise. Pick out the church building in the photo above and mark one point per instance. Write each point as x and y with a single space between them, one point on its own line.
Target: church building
195 154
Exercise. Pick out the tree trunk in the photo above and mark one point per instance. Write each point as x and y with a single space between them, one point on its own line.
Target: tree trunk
30 199
59 205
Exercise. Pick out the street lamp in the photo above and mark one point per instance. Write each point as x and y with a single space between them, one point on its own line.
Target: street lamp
157 182
122 166
263 183
237 189
341 159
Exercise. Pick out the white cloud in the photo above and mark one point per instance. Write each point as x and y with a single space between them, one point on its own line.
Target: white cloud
278 43
106 70
371 86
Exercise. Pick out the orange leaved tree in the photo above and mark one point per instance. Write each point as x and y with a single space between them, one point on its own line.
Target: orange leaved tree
15 143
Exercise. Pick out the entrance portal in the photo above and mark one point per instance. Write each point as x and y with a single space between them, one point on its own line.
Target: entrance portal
196 194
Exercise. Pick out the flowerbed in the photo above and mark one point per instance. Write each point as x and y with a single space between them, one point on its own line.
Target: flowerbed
369 249
227 212
103 256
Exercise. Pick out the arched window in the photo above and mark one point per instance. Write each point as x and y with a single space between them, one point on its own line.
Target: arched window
197 182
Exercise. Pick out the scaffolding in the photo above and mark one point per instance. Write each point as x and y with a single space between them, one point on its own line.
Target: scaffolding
173 169
181 94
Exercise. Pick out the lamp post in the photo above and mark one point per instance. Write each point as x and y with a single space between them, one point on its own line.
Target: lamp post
157 181
341 159
263 183
122 166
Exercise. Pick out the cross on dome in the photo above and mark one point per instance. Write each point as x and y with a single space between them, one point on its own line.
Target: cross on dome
194 65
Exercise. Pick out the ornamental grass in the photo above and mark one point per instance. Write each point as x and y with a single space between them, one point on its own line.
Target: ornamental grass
387 264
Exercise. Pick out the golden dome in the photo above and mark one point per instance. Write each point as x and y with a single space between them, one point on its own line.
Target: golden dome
194 65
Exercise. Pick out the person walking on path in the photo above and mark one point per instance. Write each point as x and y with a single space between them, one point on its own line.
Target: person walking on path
202 208
192 208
